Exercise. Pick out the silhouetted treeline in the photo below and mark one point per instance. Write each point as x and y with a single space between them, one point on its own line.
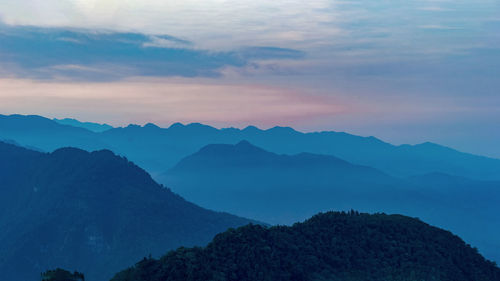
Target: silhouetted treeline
62 275
329 246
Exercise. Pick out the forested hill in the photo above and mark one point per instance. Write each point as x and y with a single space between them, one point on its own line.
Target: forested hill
330 246
92 212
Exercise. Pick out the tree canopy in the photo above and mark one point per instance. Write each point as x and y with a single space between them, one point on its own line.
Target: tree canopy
62 275
329 246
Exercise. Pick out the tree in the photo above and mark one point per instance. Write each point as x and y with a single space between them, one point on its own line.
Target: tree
62 275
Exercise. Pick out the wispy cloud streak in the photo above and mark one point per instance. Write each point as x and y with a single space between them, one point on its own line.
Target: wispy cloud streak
79 54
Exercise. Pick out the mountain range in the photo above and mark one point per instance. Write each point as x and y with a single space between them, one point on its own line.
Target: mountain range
280 175
330 246
281 189
159 149
94 127
287 188
93 212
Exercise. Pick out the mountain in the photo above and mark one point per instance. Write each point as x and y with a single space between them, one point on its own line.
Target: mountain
94 127
158 149
279 189
46 134
92 212
246 180
329 246
17 144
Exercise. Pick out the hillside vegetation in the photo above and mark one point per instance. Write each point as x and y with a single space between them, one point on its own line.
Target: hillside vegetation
329 246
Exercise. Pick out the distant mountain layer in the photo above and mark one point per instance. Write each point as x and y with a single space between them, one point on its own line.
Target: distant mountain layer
94 127
158 149
17 144
281 189
92 212
330 246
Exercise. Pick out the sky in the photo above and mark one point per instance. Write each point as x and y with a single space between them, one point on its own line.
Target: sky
404 71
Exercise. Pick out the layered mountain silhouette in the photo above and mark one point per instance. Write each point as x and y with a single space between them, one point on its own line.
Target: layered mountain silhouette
94 127
92 212
157 149
245 179
427 180
280 189
46 134
329 246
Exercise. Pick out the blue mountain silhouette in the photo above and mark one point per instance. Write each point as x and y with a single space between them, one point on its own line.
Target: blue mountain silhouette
281 189
158 149
94 212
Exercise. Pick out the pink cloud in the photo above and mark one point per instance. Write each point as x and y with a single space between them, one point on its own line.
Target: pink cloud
165 101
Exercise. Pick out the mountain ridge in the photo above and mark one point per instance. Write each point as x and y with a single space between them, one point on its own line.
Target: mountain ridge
235 178
158 149
91 211
91 126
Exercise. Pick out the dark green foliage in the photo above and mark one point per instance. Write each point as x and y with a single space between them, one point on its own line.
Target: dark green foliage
330 246
95 212
62 275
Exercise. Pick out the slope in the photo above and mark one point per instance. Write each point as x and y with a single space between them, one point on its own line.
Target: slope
93 212
246 180
329 246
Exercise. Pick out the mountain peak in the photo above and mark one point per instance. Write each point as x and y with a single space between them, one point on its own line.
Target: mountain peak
91 126
251 129
199 126
244 143
176 125
283 130
19 122
196 127
151 126
70 150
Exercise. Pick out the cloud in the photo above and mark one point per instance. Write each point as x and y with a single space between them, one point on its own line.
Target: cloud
214 24
49 53
165 41
222 34
165 101
434 9
437 27
270 53
368 52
